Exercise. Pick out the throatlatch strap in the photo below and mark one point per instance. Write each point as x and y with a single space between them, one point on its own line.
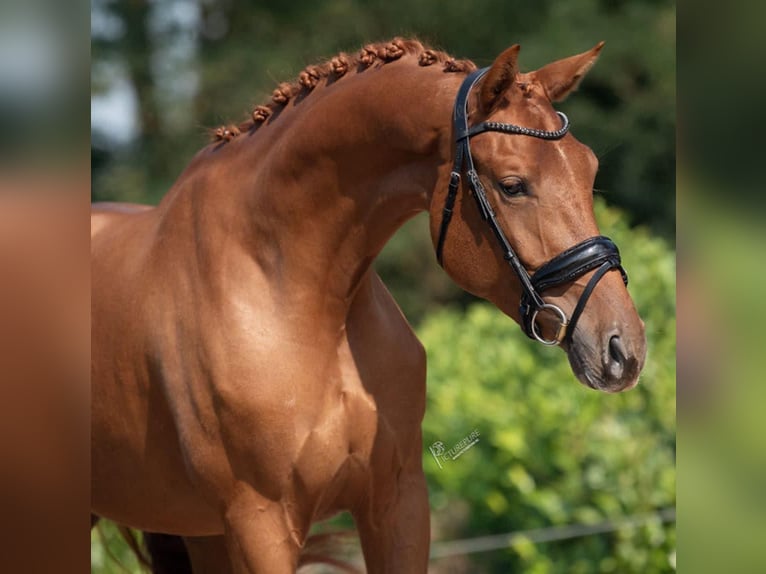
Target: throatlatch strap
460 125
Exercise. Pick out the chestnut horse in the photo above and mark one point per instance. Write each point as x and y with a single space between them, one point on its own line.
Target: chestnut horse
251 373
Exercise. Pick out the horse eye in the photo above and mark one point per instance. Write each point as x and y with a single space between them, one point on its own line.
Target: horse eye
515 189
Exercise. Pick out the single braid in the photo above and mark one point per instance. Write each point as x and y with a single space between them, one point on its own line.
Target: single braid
261 113
282 94
392 51
339 65
310 77
226 133
427 58
368 55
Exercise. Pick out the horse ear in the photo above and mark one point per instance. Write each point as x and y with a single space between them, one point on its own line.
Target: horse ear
561 78
499 78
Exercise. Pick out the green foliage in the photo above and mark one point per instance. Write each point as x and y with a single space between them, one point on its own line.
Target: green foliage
551 451
109 553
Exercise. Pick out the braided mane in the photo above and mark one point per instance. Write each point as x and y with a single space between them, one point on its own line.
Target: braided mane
336 68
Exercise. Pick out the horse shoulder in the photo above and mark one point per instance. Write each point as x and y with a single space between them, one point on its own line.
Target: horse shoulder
377 319
391 363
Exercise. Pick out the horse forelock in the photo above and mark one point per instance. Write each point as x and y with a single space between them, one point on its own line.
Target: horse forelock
335 68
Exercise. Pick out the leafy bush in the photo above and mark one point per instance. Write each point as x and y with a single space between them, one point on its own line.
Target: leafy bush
551 451
109 552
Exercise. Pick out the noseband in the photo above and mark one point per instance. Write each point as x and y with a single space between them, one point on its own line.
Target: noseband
598 253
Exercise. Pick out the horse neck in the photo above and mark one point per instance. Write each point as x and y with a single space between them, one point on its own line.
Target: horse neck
321 188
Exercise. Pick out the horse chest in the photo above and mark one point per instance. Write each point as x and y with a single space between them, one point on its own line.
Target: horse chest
353 434
338 408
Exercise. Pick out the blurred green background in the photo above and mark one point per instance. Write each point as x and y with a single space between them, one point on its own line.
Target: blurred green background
551 452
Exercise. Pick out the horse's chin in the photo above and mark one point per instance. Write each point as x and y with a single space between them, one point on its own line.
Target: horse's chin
589 367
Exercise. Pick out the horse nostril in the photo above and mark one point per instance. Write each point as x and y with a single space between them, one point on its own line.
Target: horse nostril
616 349
617 356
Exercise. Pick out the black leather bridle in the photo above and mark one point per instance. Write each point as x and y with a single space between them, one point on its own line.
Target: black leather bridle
598 253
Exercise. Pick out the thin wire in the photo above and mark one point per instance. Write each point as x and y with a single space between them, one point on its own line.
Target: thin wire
552 534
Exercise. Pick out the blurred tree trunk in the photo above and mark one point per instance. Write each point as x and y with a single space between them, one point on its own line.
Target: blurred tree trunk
223 43
137 51
203 102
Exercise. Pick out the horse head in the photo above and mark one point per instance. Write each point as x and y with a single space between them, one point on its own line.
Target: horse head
517 225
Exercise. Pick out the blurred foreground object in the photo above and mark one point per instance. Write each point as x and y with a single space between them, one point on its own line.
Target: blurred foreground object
721 237
44 287
43 83
44 389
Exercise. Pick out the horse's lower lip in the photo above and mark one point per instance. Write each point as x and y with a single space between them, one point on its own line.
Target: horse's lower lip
582 372
589 382
591 365
604 386
578 368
